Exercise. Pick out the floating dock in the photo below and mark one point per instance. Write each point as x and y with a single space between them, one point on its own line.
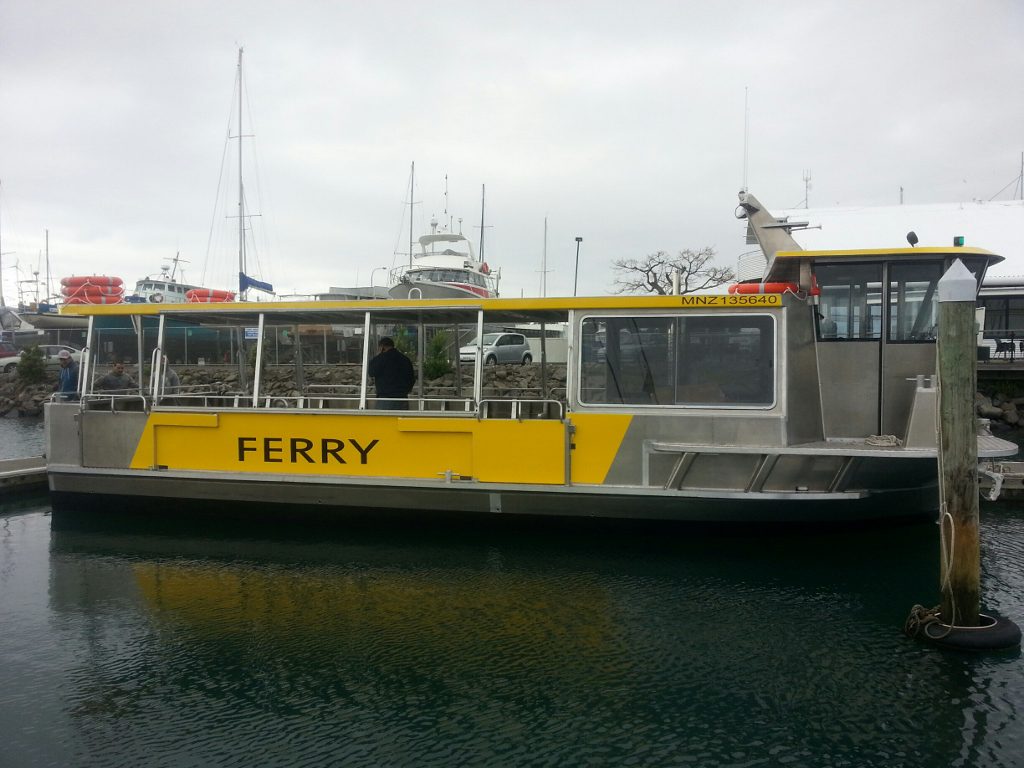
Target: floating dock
22 475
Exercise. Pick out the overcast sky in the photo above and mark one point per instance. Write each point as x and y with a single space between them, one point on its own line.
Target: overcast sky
622 122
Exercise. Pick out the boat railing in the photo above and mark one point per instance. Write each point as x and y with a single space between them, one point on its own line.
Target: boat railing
329 396
115 402
522 409
340 397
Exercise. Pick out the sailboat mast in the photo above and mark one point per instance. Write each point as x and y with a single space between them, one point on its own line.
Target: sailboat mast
544 263
241 191
483 196
412 186
48 291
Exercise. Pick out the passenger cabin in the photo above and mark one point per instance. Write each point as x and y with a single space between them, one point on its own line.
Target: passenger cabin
836 354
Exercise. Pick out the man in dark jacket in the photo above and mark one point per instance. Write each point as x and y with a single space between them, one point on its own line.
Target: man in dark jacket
392 376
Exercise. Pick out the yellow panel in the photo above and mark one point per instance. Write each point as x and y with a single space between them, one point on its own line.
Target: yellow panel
367 445
520 452
597 439
303 444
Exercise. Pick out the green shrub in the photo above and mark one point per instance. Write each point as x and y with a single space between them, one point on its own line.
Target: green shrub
405 341
436 363
31 369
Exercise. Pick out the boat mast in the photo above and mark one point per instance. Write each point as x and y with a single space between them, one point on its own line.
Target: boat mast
48 291
544 263
412 186
241 196
483 196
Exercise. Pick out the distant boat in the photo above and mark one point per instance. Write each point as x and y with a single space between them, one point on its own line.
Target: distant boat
41 316
167 289
446 267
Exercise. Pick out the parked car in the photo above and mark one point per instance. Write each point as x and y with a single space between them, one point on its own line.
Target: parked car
7 349
499 348
9 363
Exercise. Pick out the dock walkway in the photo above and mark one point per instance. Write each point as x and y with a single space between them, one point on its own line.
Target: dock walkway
20 475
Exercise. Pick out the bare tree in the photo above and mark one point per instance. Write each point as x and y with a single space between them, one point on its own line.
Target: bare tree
653 273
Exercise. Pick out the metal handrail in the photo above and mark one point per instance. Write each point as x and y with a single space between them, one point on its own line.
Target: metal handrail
113 398
517 407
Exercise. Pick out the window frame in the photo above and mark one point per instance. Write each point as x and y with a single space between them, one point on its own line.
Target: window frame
775 345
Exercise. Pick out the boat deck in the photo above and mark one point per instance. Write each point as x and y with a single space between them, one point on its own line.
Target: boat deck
988 447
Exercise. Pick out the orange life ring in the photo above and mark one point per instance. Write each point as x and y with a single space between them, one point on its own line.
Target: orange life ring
94 300
90 280
208 296
88 289
759 288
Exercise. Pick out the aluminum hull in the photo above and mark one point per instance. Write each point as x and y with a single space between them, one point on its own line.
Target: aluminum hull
72 489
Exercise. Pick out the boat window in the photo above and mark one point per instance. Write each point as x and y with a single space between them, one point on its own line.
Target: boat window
1004 316
913 310
720 360
850 306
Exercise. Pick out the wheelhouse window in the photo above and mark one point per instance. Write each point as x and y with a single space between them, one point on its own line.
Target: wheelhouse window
850 306
701 360
913 310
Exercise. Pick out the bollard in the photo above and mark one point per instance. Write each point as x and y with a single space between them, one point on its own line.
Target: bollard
958 623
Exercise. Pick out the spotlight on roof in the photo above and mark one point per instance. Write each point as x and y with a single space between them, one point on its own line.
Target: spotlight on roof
912 238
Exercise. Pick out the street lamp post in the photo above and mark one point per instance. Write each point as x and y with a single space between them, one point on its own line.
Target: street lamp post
576 274
372 273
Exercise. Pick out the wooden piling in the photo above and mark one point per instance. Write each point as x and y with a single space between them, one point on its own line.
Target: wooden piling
958 448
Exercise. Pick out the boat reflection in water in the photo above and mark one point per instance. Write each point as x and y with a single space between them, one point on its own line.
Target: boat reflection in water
432 647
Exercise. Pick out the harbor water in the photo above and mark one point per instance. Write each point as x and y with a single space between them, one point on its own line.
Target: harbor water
206 643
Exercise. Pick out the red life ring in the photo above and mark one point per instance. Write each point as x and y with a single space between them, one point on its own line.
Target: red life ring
88 289
485 269
94 300
759 288
208 296
90 280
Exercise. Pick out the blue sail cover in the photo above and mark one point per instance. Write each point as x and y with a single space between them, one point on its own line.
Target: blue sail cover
244 282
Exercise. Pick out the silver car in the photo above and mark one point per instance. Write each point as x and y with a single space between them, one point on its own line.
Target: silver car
499 348
50 358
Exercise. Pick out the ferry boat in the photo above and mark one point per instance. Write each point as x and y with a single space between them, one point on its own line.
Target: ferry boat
807 396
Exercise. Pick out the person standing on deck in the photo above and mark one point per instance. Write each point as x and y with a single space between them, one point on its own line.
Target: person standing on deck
67 381
171 379
392 375
117 381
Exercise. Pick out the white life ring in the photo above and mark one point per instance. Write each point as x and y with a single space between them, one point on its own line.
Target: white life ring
156 298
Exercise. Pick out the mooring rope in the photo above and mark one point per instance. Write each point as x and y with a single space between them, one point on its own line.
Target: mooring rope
883 440
919 618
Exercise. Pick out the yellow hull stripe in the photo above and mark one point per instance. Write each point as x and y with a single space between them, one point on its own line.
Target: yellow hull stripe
364 445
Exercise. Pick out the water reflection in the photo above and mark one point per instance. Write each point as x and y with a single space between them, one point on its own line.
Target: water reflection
21 436
492 646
